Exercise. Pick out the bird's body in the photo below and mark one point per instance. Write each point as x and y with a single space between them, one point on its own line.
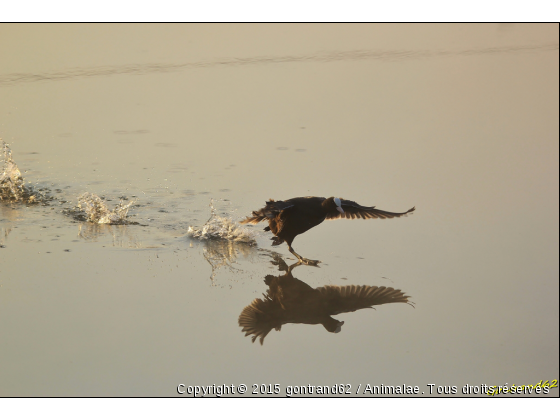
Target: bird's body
289 218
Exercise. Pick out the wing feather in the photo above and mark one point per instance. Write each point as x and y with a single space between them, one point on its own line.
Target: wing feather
351 298
259 318
353 210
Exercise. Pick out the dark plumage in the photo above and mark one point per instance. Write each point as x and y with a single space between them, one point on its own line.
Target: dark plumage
287 219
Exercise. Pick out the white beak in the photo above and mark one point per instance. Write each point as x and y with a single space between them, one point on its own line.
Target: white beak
340 210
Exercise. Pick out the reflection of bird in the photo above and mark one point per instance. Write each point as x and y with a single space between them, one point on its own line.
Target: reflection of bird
287 219
289 300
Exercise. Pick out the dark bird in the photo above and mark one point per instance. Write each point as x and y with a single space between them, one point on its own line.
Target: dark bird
287 219
289 300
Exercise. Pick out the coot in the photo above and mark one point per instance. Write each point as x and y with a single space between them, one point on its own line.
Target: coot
289 218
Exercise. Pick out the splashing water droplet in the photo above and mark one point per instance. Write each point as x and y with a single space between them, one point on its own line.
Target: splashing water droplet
222 228
94 209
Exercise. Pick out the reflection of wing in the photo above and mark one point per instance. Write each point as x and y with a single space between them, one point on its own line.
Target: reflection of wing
340 299
259 319
353 210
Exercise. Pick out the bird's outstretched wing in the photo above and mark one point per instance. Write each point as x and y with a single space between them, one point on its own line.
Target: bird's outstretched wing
259 318
340 299
353 210
270 211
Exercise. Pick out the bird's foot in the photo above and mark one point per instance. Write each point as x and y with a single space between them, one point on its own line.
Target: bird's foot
282 266
307 261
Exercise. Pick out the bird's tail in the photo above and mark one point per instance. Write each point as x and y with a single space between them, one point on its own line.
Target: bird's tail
268 212
257 217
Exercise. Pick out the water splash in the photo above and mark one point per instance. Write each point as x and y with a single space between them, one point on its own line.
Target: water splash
222 228
92 208
12 185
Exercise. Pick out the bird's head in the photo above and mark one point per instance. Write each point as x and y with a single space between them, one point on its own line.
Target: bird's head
332 325
339 327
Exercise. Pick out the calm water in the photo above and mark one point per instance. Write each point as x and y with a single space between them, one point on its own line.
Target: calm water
459 120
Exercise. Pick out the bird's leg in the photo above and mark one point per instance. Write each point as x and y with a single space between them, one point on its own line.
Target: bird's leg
303 260
282 266
291 267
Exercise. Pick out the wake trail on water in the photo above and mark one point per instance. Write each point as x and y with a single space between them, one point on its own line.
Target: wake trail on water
90 208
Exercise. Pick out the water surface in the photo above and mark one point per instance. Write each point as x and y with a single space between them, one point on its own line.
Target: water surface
460 121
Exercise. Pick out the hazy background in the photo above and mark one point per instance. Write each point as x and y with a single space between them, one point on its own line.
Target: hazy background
459 120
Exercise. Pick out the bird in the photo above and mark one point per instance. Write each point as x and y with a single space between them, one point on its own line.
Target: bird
289 218
289 300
